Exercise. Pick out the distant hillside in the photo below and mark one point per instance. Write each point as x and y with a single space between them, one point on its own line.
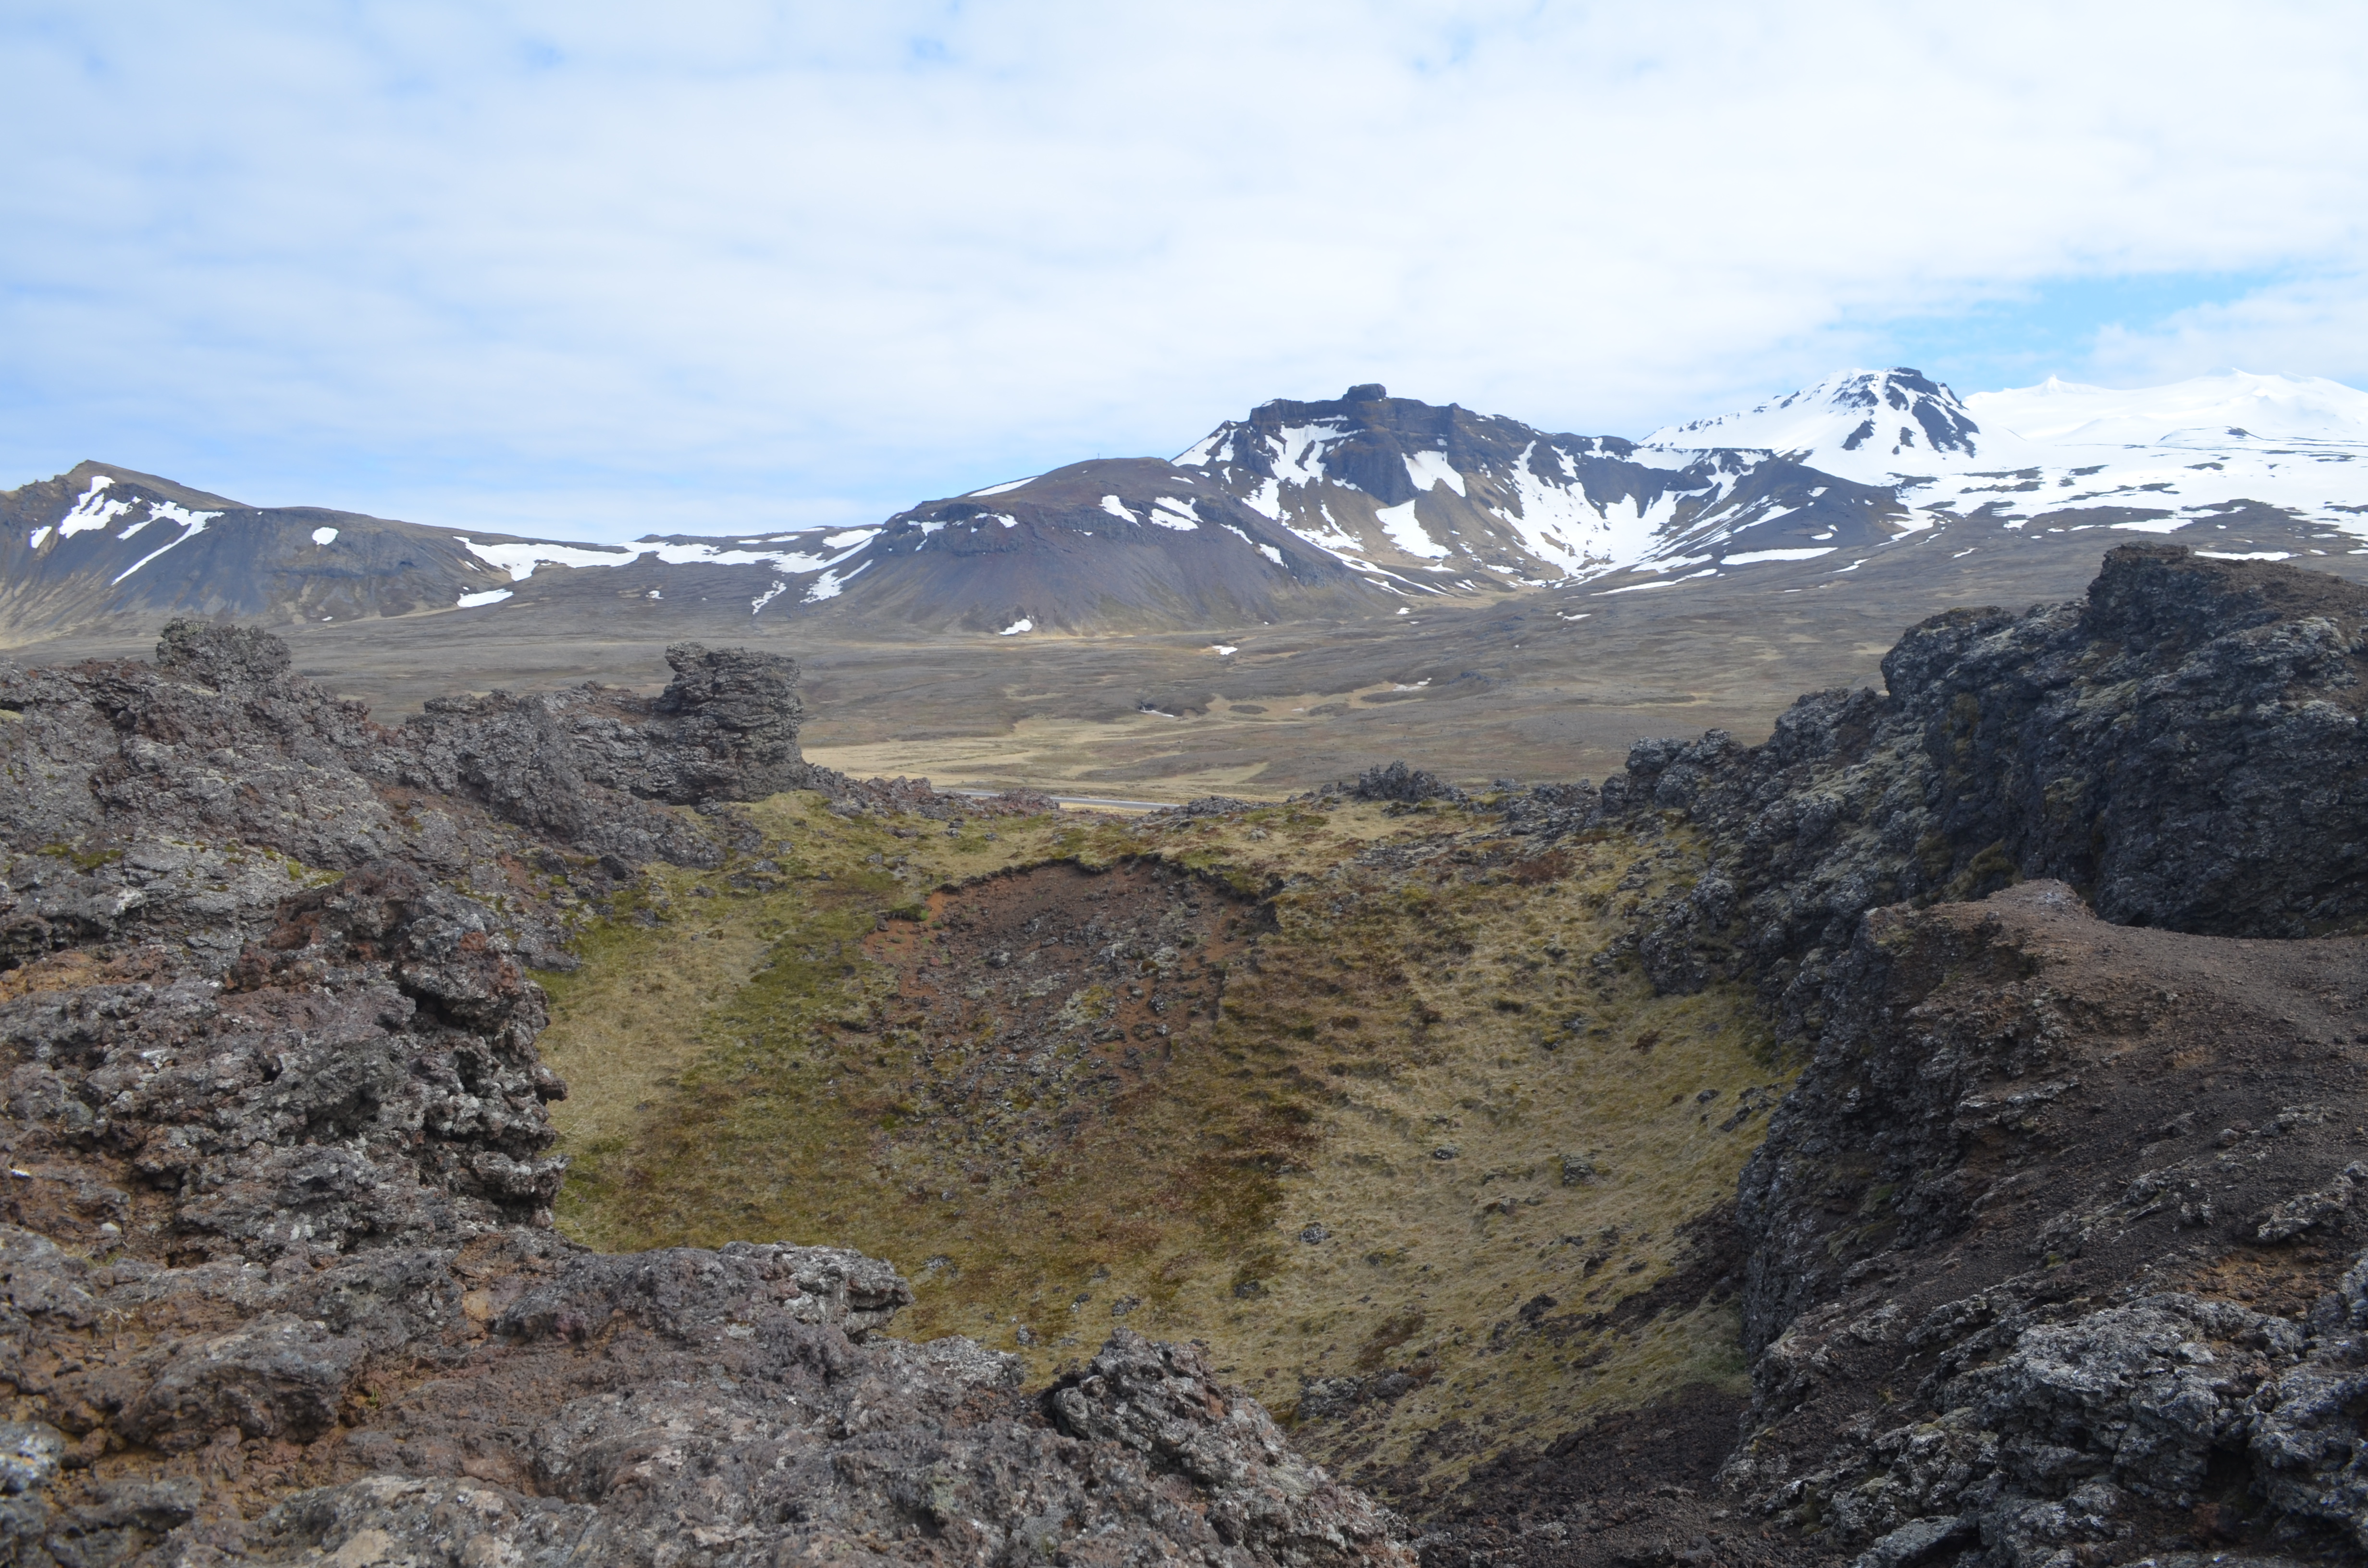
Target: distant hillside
1110 545
101 545
2180 455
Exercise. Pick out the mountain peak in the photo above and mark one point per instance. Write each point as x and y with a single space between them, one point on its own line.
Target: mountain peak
79 477
1868 422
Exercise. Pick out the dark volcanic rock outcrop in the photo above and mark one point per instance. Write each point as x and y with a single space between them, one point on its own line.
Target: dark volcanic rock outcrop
576 763
2054 1251
362 1075
516 1400
277 1282
2055 1245
2053 1254
2183 747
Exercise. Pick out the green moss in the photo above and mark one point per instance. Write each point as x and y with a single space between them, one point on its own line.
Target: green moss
1991 869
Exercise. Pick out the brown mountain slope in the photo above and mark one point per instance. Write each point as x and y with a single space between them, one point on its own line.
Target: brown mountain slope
101 548
1112 545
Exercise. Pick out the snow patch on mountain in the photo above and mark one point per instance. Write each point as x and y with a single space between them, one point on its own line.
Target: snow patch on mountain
1325 532
1404 531
1427 468
828 585
1862 425
519 558
1751 557
522 558
193 524
1559 524
93 510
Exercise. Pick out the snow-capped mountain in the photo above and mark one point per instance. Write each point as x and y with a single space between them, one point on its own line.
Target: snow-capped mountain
2189 451
2211 412
1360 505
1431 499
1863 425
100 543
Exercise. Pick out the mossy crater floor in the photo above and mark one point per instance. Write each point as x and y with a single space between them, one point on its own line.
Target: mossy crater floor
1372 1105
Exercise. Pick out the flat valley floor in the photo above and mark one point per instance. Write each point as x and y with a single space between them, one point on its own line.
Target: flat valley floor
1545 686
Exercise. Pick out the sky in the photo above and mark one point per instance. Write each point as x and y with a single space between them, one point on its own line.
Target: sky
591 270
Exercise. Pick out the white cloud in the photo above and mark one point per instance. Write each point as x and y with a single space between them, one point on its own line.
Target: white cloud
2317 320
607 267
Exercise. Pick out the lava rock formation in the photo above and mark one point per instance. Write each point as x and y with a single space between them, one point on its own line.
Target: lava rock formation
276 1280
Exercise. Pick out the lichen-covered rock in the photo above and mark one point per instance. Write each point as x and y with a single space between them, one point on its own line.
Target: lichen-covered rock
677 1290
1403 785
730 719
228 658
789 1443
561 763
275 1377
364 1074
576 762
1161 1402
744 1401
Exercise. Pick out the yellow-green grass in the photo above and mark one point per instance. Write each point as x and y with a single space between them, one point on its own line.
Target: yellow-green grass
1402 1063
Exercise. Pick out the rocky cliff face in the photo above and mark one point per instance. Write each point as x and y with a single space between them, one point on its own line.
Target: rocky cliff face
2054 1246
275 1275
2054 1255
